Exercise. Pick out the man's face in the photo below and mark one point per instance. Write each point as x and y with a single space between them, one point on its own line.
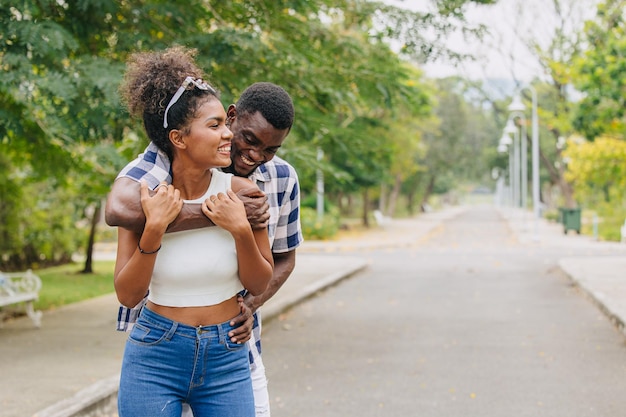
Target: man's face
255 141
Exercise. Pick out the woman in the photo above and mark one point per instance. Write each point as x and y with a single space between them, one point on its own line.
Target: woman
179 349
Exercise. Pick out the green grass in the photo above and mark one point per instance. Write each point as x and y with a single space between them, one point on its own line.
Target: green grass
65 284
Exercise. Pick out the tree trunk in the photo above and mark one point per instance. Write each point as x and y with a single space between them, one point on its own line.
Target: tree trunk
350 206
393 197
88 269
429 190
366 205
556 176
382 200
410 204
340 202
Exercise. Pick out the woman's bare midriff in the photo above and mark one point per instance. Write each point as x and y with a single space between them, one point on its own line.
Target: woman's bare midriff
199 316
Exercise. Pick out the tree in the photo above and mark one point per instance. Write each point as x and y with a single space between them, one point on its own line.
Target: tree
601 74
597 169
62 63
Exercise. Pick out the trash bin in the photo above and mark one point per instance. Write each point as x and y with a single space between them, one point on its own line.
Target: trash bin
570 218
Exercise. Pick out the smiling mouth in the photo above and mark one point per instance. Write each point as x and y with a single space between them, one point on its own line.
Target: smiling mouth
225 148
247 161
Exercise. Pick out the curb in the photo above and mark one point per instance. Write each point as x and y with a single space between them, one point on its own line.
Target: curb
100 398
615 313
97 400
272 311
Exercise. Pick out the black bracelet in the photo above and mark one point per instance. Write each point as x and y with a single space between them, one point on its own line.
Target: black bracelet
148 253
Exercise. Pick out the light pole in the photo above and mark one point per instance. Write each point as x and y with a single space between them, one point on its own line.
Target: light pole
517 105
511 130
523 152
503 146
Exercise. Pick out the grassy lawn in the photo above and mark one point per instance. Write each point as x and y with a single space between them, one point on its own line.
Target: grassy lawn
65 284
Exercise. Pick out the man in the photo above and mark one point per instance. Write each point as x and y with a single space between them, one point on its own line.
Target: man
260 122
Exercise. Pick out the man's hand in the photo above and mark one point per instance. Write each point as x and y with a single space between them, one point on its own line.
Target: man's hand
244 321
253 302
257 208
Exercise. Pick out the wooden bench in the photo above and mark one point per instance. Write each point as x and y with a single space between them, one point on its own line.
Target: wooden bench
20 287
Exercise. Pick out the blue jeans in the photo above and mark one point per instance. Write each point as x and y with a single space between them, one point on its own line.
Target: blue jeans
167 363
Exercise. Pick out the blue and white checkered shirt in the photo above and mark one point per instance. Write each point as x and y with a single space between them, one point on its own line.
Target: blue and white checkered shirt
276 178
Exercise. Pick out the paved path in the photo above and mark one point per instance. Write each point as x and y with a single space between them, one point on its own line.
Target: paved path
602 277
469 322
76 354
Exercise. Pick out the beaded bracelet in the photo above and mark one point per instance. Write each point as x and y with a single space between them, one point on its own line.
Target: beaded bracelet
146 252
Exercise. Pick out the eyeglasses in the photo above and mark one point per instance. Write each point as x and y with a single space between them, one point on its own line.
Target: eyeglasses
189 81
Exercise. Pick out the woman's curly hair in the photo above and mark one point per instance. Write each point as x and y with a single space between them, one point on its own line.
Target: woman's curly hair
150 81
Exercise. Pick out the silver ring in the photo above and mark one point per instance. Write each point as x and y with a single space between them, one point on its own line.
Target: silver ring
162 185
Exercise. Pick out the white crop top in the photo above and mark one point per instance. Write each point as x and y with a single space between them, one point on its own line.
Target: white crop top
197 267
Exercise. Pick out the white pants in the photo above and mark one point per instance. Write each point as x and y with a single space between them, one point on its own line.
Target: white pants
257 374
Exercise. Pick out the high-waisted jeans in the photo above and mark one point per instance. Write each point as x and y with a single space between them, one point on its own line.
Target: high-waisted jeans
167 363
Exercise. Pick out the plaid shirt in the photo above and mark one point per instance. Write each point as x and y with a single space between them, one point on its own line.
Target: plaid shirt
276 178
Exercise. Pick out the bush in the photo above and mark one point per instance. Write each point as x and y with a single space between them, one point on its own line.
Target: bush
314 229
610 219
609 227
552 215
48 230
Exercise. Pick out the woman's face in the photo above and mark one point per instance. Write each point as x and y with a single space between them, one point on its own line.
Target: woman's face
207 138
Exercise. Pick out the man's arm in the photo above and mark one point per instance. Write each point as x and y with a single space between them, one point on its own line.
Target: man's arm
123 208
284 263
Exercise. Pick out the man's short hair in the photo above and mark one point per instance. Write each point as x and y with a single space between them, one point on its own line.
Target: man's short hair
271 100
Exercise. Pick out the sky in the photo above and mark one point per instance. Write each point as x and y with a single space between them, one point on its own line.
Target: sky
503 54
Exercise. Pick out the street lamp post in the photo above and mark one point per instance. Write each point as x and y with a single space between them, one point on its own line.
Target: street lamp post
520 133
503 146
511 129
518 106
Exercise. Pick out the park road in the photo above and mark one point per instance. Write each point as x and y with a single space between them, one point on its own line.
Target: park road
467 323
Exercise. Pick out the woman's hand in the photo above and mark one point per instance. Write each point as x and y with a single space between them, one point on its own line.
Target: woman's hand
227 211
162 207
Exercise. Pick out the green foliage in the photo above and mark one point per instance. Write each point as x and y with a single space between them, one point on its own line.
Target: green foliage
316 229
456 141
601 74
10 201
611 219
598 171
49 231
552 215
64 135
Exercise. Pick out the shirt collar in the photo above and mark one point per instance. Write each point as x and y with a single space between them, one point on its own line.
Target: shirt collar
260 174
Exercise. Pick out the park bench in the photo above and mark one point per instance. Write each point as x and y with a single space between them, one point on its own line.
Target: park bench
17 288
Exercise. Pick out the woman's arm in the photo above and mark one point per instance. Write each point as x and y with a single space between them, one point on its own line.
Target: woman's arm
136 254
123 209
253 249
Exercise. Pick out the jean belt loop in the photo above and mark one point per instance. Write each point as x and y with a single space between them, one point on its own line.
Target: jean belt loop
222 333
171 331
